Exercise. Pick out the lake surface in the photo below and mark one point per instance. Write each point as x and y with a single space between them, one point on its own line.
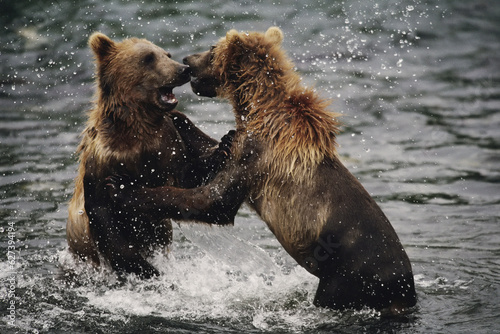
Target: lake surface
418 84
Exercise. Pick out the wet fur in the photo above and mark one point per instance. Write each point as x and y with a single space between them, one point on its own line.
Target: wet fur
131 131
285 165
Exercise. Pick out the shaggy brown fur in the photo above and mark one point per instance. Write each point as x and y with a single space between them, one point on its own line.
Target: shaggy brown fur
284 164
133 129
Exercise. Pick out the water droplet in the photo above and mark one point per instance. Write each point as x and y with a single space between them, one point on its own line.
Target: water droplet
80 212
122 186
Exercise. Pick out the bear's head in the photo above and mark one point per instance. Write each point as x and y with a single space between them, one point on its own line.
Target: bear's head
136 73
240 63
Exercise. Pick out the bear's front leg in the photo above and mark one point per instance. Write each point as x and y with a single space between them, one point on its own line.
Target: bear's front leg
196 140
214 161
214 203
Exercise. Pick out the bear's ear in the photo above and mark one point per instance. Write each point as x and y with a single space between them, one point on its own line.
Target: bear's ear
101 45
232 37
274 35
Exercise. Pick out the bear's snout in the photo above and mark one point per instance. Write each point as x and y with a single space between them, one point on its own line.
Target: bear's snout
194 62
184 70
182 74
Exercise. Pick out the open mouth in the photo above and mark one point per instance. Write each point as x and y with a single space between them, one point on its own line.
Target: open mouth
167 97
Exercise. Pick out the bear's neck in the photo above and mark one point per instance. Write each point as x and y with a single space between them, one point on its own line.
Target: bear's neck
297 112
136 123
263 92
248 101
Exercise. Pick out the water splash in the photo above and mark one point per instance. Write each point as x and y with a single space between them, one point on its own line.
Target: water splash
218 278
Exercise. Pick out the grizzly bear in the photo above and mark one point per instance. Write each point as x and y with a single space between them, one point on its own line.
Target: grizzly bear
285 165
133 129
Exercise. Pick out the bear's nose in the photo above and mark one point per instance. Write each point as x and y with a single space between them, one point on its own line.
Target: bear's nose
184 70
185 60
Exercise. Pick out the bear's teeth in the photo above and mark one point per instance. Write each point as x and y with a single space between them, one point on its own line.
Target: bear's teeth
168 98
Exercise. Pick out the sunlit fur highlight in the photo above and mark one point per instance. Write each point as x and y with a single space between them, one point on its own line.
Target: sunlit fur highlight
271 104
265 90
121 126
284 162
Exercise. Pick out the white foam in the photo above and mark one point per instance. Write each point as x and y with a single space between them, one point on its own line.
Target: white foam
218 278
441 283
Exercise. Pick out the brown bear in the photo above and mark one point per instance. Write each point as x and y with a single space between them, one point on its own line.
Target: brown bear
284 163
133 129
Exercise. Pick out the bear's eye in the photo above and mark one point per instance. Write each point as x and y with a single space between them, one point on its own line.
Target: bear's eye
149 58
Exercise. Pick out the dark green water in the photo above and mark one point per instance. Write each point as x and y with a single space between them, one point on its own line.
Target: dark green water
418 83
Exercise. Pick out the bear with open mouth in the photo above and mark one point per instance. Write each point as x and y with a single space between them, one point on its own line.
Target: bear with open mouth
284 164
135 130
